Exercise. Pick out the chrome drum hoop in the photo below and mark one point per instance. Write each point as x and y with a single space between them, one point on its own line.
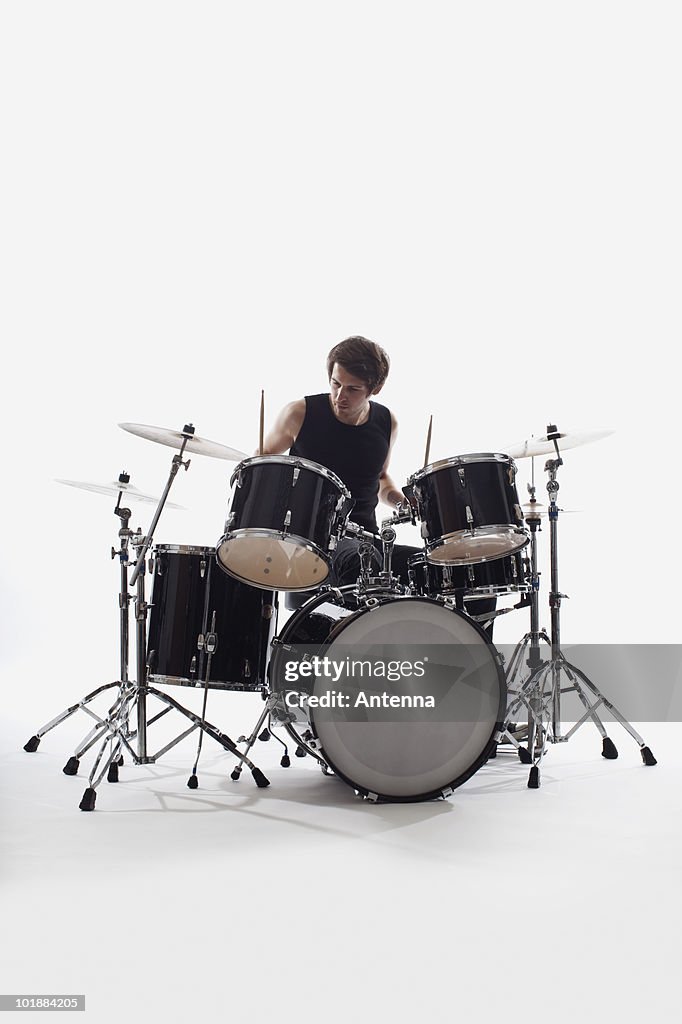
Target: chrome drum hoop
291 460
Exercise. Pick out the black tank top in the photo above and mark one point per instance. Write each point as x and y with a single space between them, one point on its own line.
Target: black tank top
356 454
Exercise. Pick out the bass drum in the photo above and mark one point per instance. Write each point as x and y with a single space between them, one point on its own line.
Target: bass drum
358 683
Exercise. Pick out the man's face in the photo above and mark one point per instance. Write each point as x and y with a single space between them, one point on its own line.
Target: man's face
349 394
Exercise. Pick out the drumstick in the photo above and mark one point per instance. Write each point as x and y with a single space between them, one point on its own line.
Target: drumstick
428 442
262 421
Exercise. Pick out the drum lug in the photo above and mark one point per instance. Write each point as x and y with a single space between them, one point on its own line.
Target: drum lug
372 797
424 530
511 473
287 520
462 479
228 522
297 473
470 518
202 568
333 541
193 665
445 793
211 643
518 512
247 668
276 642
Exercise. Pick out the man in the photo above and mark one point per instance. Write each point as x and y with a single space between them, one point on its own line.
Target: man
353 437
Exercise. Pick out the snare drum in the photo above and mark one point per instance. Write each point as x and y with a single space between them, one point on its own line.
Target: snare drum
285 518
363 710
469 509
196 610
485 579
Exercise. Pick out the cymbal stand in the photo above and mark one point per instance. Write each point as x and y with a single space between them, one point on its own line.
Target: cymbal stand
114 729
528 650
71 767
542 691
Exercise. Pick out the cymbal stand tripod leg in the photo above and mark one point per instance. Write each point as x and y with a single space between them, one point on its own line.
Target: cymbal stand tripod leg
122 683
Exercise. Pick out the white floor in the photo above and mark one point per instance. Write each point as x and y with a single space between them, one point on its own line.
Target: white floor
301 901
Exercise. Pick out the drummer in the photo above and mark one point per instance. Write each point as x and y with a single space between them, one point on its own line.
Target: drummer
353 436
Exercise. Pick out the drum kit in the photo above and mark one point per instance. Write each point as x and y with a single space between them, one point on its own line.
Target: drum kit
212 624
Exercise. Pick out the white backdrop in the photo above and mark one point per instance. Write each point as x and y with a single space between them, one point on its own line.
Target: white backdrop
200 201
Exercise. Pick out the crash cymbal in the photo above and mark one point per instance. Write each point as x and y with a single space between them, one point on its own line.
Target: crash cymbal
174 438
115 487
543 446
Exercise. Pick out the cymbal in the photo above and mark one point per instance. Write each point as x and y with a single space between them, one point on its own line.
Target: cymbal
543 446
536 508
115 487
174 438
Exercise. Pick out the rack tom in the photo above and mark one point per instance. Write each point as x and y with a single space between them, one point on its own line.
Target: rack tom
469 509
506 575
285 518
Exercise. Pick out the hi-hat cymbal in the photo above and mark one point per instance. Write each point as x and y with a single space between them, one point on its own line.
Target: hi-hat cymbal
536 508
542 445
115 487
174 439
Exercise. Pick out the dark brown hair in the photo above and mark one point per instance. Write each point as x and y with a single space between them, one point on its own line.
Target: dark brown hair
361 357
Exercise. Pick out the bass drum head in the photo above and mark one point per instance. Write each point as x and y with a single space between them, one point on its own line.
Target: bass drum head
405 754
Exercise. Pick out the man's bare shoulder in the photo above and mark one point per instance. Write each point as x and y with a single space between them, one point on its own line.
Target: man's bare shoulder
286 428
293 415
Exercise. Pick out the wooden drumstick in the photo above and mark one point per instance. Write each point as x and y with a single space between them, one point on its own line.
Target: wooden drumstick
428 442
262 421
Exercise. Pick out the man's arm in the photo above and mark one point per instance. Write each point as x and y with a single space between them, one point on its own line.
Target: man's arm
388 492
286 429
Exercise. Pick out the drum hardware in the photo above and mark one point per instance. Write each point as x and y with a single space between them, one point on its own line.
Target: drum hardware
113 730
176 462
541 691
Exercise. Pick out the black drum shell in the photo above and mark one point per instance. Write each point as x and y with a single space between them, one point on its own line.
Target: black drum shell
495 577
188 586
265 493
483 484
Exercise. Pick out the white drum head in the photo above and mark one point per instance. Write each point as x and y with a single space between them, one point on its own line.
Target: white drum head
404 754
484 545
272 562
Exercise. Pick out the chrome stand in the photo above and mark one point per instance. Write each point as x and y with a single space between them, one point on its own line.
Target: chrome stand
113 730
101 723
541 691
